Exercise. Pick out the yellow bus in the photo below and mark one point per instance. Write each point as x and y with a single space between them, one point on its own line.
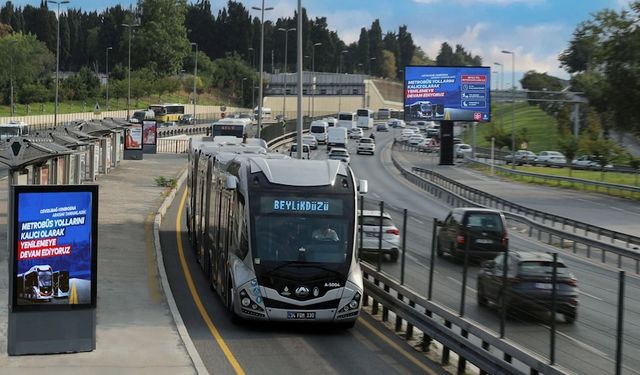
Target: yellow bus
167 112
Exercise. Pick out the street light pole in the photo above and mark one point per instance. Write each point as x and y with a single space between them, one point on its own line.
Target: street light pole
339 80
106 65
313 78
130 26
195 79
501 88
284 79
300 68
262 9
55 110
513 106
242 91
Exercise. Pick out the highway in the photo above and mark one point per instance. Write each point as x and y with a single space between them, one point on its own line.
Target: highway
586 347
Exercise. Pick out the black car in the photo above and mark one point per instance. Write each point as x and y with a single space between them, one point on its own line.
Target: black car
382 128
529 283
187 120
480 230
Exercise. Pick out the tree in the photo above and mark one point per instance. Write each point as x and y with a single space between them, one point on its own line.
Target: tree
593 143
406 46
161 42
535 81
375 48
388 66
362 51
420 58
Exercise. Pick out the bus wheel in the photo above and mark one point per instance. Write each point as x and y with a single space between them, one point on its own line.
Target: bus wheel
235 319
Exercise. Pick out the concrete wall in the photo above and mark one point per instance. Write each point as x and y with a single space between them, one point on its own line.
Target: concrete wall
325 104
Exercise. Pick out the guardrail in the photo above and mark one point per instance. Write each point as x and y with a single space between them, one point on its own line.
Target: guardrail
469 340
170 131
459 195
597 185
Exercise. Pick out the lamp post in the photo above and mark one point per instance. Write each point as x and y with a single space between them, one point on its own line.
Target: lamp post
242 91
299 74
370 60
12 43
55 110
129 26
261 9
313 77
106 68
195 79
284 79
513 106
340 71
251 56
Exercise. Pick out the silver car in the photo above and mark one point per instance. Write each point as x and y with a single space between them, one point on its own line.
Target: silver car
339 153
371 244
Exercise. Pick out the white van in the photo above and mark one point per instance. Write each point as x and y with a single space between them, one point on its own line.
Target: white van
318 129
266 112
346 120
364 118
337 137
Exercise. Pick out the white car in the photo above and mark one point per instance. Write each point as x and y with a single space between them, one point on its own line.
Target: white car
406 134
416 139
462 150
311 141
588 161
366 145
390 243
356 133
551 158
339 153
396 123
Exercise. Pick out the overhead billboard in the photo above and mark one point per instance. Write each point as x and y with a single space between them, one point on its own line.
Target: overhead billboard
456 93
54 247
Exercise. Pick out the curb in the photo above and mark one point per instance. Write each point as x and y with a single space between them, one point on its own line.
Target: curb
177 318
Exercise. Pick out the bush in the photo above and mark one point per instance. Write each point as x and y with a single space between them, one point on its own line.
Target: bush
166 181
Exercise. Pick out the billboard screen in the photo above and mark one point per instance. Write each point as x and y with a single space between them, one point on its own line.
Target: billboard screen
456 93
149 132
54 246
133 140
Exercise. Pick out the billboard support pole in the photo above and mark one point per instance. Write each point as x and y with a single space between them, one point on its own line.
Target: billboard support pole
446 142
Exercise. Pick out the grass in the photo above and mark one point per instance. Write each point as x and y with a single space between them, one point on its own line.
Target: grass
114 104
542 128
629 179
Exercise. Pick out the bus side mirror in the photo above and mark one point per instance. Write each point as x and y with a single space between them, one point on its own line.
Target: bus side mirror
363 186
232 183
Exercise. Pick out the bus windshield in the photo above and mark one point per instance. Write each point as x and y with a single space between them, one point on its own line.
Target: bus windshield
308 230
226 129
363 112
345 116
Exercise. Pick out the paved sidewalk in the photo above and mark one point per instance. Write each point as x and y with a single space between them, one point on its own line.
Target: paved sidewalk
608 212
136 333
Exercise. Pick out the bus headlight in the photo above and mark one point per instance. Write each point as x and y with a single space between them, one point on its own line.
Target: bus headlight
246 301
353 304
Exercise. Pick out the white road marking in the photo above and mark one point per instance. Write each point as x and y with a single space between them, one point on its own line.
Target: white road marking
591 295
460 283
419 221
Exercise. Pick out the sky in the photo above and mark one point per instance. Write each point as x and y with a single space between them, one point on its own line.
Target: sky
536 30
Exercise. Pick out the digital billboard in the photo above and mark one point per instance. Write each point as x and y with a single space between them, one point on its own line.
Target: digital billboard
456 93
133 139
149 133
54 246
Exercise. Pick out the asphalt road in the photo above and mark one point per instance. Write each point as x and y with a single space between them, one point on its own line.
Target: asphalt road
586 347
255 348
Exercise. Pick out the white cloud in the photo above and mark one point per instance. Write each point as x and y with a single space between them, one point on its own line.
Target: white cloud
490 2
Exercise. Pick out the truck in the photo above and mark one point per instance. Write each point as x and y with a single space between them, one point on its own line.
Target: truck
337 137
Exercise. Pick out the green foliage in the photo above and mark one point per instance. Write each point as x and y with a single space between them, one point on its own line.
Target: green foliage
81 86
388 66
501 138
33 93
460 57
166 181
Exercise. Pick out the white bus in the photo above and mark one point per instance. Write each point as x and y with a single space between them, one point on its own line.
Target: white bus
364 118
258 226
236 127
13 129
384 113
266 112
346 120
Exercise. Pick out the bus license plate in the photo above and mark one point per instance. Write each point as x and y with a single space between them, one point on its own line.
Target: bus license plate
543 286
296 315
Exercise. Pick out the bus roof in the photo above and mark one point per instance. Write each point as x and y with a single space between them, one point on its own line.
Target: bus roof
298 172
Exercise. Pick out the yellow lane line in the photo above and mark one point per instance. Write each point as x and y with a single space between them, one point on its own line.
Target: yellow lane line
395 346
196 298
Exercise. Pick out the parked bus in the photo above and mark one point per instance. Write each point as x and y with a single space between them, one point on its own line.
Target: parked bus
167 112
35 284
236 127
257 224
346 120
364 118
13 129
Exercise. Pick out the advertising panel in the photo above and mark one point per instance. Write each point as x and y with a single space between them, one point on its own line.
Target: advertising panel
149 132
436 93
54 247
133 140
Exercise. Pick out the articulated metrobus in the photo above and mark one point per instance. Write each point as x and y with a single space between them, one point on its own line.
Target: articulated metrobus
167 112
35 284
276 236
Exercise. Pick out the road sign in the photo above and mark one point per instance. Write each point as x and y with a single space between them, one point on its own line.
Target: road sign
96 109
